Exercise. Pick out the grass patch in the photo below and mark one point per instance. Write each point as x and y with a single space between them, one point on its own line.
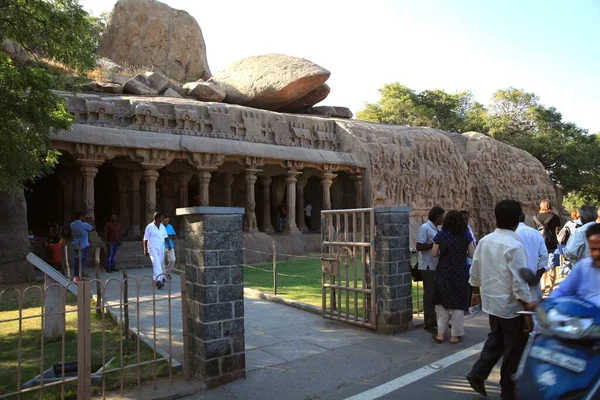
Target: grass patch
31 345
301 281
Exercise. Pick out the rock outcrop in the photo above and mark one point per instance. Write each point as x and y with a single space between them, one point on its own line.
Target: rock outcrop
152 34
14 243
205 91
270 82
307 101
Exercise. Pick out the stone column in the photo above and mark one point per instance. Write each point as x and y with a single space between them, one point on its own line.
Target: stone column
203 187
266 181
358 188
54 308
326 183
251 225
229 178
150 178
392 269
184 180
78 191
291 180
134 228
123 181
300 204
66 181
89 171
214 289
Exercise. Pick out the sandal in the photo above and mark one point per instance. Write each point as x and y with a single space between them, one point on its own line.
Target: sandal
438 341
458 340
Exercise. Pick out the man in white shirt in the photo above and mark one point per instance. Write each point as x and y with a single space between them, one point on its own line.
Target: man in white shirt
535 251
155 238
495 277
308 215
577 248
428 263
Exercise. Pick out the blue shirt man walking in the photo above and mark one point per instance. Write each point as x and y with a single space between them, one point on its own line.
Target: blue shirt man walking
584 279
80 230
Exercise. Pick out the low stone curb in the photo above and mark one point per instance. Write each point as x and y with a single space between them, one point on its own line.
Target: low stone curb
179 389
257 294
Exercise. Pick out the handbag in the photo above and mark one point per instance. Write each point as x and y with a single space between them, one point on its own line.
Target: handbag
416 273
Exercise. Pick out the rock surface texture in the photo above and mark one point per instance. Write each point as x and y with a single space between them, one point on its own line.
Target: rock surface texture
270 82
309 100
152 34
205 91
14 244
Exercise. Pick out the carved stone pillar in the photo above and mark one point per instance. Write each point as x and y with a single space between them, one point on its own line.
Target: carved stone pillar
78 191
66 181
229 178
205 163
184 180
150 178
203 187
89 171
134 228
123 182
300 204
90 157
358 188
326 182
266 181
253 165
251 225
292 177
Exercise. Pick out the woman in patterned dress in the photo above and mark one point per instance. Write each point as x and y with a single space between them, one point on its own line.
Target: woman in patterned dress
451 295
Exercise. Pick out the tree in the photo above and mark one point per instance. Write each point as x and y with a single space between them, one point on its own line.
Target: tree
401 105
57 30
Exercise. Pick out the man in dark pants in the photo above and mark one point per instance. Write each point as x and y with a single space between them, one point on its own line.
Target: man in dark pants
428 263
503 293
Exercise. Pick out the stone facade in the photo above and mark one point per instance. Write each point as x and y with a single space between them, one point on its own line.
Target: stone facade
215 293
392 269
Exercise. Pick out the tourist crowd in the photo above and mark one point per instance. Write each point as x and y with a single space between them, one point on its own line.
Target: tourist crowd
459 273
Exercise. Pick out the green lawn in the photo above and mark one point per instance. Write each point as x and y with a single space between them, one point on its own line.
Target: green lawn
53 348
301 280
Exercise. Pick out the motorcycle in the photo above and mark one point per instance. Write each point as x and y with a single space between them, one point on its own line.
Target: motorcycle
563 362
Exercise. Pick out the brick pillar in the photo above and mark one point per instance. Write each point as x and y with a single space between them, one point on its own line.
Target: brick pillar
392 269
215 293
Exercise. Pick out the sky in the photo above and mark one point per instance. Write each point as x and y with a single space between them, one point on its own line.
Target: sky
548 47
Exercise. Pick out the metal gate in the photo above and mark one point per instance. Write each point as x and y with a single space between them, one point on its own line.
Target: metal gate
347 264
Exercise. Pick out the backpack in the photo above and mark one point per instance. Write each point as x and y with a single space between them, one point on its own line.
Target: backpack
547 234
565 234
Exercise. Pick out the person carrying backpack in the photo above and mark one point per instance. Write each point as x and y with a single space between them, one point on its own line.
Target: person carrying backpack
563 238
577 248
548 223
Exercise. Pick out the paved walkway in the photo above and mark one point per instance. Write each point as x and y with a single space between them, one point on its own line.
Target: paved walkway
275 334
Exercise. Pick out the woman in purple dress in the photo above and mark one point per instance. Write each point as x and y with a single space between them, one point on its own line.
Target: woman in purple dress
452 293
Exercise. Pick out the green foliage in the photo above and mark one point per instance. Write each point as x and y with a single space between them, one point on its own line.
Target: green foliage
58 30
515 117
400 105
574 200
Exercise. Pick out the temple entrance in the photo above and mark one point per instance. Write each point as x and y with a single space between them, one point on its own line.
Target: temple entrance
106 196
44 204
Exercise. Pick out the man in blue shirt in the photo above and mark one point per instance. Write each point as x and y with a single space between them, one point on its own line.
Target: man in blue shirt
584 279
80 232
169 260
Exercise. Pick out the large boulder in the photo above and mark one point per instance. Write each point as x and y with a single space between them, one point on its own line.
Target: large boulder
14 241
205 91
152 34
271 81
307 101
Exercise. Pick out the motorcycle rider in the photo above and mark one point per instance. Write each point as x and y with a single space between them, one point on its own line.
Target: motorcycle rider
584 279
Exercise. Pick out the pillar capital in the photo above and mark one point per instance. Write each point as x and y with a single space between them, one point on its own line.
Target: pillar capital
294 166
89 171
91 155
254 164
302 181
151 175
153 159
266 180
207 161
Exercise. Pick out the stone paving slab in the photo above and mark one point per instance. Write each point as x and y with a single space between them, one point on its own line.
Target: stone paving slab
275 334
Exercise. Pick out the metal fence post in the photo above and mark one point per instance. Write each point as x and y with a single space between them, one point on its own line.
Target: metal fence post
274 270
84 342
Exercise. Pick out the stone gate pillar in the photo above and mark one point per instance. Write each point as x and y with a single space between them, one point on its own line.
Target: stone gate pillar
215 293
392 269
150 178
134 228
